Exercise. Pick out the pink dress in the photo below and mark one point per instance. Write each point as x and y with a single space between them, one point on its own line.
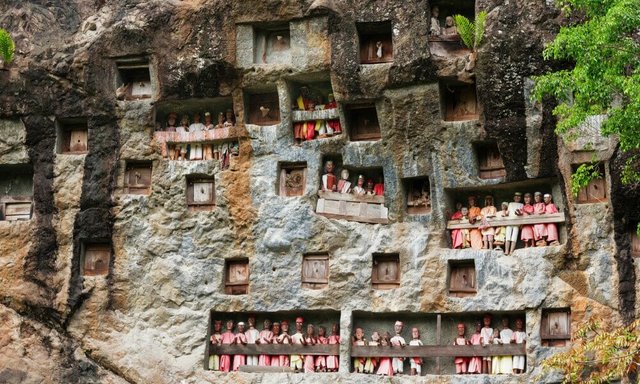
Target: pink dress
309 360
385 368
239 360
275 359
321 361
539 230
552 228
461 362
475 363
456 234
283 359
225 360
333 360
265 338
527 230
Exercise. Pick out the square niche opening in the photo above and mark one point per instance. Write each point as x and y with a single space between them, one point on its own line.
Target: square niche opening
458 101
418 195
596 190
262 106
201 193
385 273
315 270
293 178
137 177
96 258
16 192
272 44
363 122
133 78
462 278
448 8
490 164
376 43
555 327
72 136
634 239
236 276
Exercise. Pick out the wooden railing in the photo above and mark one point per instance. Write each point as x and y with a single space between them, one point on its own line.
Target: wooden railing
431 351
361 208
321 114
274 349
513 220
216 135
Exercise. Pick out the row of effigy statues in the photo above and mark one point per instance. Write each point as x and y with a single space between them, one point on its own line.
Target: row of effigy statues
487 236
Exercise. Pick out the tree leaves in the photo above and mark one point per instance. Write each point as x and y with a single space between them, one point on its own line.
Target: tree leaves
7 46
471 33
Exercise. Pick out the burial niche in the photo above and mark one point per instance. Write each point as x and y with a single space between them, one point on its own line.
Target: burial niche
458 101
596 190
293 178
462 278
236 276
96 259
263 106
418 195
376 44
555 327
133 79
315 270
385 273
357 195
201 194
363 122
137 177
490 164
315 113
272 44
73 135
634 239
16 192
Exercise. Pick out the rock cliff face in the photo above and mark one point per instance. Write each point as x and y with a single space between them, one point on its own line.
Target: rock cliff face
146 320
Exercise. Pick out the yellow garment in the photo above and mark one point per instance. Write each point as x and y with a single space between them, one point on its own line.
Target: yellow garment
214 362
301 105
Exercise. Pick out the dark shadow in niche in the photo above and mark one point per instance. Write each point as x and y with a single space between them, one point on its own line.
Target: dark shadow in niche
417 195
133 78
458 100
363 122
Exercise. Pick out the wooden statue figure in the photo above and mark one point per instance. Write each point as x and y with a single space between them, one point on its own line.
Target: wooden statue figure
252 335
371 363
475 215
397 363
456 234
344 185
449 26
321 360
539 230
416 362
358 340
435 29
333 126
506 334
172 122
500 232
475 363
466 236
461 362
216 338
276 359
496 360
378 188
486 334
297 361
487 212
220 121
359 188
552 228
284 338
310 339
181 149
230 118
369 188
227 338
526 234
196 148
519 337
333 360
511 236
207 149
265 337
240 338
386 367
329 182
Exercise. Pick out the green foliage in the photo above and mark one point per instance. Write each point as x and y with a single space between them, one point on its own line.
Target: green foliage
471 33
598 354
583 176
7 46
605 79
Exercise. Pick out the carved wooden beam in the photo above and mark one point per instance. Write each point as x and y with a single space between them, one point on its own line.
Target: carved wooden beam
274 349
